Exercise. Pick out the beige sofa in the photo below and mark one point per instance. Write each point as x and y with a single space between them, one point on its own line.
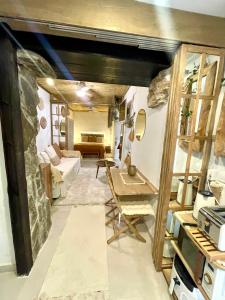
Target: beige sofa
69 166
65 166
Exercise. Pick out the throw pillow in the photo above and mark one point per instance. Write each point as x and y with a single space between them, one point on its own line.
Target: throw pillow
92 139
55 160
84 138
57 150
99 139
45 157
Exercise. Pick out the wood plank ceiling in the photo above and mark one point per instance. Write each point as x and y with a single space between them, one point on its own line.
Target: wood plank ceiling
107 69
95 95
83 60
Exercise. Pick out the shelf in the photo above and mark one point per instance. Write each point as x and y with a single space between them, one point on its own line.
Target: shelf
167 262
167 274
186 218
169 236
179 253
175 206
205 245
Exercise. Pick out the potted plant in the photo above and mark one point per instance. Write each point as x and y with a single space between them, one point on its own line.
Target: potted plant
186 114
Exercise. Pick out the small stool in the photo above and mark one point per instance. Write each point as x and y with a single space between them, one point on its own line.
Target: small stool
104 163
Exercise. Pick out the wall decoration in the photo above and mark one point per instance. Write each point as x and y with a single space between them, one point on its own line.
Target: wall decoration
56 124
159 89
219 148
63 111
140 124
41 104
43 122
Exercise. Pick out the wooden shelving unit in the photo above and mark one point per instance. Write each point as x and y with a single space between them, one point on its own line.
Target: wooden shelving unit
190 122
169 236
206 246
59 132
194 126
175 206
167 262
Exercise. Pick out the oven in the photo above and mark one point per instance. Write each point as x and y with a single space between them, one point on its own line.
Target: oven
181 283
194 258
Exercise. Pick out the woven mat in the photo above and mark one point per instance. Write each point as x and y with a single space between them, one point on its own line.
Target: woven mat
127 179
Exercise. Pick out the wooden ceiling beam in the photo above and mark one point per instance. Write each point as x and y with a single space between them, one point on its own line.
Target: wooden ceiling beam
127 16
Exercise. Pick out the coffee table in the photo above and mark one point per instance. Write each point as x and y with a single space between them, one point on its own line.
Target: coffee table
103 163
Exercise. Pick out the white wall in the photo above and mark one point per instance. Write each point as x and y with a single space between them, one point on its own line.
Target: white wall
7 257
92 122
147 153
43 138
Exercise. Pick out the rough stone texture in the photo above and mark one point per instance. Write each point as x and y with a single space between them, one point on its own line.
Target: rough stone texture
159 89
39 207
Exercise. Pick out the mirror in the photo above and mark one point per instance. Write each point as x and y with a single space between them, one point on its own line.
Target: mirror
140 124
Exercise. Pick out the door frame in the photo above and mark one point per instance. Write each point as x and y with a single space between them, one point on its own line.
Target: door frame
12 135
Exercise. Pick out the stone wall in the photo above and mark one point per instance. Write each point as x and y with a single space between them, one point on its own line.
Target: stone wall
39 207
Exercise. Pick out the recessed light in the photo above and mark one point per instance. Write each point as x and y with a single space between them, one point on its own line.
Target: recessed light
50 81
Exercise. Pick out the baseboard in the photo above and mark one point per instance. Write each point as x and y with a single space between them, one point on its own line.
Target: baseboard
7 268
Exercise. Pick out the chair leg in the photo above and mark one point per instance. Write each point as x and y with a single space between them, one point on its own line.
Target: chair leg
110 202
97 171
129 226
110 211
112 219
133 229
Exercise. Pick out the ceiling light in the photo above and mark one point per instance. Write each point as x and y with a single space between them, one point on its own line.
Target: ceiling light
82 91
50 81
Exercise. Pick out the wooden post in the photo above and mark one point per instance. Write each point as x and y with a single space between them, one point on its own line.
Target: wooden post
12 133
171 137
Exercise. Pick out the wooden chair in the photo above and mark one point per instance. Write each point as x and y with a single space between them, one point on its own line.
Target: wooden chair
117 211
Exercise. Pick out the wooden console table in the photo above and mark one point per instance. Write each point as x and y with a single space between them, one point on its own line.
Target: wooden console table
122 189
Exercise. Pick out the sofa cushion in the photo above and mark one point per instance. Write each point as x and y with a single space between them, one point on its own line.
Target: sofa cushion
57 150
67 165
71 153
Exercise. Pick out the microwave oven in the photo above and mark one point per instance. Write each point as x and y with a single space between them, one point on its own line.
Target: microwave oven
194 258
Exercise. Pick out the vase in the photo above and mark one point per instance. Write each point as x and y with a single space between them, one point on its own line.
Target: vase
132 170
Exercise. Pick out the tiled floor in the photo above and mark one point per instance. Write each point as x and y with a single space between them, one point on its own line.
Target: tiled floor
130 271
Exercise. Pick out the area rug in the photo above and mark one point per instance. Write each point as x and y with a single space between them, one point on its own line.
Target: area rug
79 267
84 296
86 189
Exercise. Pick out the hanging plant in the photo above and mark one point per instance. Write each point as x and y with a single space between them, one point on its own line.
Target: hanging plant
186 113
